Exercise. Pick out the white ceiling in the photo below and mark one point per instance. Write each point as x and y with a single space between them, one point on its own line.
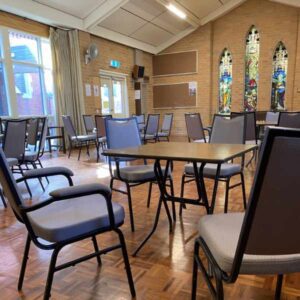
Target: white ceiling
142 24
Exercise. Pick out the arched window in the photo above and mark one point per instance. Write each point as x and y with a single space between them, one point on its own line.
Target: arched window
225 82
251 69
280 67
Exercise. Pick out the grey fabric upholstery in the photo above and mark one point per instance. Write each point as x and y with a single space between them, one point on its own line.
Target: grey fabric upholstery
89 123
69 127
289 119
102 139
221 233
152 124
12 162
62 220
167 122
137 173
80 189
147 137
32 131
162 134
211 169
201 141
30 155
83 138
194 126
42 172
140 118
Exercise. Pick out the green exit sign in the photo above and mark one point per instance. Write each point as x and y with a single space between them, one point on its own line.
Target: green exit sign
115 64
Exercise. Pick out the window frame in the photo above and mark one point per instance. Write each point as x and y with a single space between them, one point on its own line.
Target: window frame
8 63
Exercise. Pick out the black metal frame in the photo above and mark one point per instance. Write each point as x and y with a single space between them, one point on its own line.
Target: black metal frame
56 247
214 269
217 178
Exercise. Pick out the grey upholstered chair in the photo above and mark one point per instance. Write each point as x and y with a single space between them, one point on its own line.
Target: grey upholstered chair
70 215
166 127
140 120
89 124
151 129
101 132
224 131
77 140
265 239
195 129
289 119
250 131
272 117
124 133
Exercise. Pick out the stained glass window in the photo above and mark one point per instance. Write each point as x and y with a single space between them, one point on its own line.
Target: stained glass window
280 66
225 82
251 69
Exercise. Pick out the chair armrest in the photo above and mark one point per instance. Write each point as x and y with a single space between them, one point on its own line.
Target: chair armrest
47 172
81 190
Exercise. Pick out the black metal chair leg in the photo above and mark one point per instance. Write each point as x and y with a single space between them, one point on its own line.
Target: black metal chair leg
111 185
219 284
24 263
278 286
80 146
195 271
87 148
243 191
51 271
130 207
149 194
70 149
226 195
96 250
173 203
40 163
168 215
40 180
181 194
126 262
26 183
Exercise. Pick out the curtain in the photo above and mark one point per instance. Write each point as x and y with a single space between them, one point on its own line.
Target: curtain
67 75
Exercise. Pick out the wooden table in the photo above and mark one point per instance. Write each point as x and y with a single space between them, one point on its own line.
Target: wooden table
174 151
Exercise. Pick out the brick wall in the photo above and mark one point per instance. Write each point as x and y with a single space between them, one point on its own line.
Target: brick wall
107 51
275 23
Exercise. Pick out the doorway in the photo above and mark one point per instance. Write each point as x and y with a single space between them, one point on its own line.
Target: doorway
114 100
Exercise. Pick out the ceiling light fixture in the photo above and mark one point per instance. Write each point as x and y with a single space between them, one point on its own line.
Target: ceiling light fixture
176 11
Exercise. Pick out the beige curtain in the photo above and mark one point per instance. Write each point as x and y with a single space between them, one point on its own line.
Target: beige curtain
67 75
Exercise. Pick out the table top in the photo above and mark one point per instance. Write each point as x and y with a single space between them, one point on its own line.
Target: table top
265 123
195 152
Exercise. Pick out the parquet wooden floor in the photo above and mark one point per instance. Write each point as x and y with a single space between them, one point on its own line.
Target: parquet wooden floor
162 269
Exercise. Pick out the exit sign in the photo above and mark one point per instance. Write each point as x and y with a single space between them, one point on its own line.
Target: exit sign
115 64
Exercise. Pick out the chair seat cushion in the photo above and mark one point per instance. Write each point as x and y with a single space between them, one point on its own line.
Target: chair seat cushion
83 138
102 139
66 219
221 233
253 142
30 155
12 161
227 169
147 136
137 173
199 141
163 134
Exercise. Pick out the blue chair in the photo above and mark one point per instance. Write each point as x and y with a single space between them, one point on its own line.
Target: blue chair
124 133
70 215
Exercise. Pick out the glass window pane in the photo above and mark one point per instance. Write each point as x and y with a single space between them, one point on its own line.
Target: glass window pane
49 86
117 93
3 96
23 47
105 98
46 54
28 90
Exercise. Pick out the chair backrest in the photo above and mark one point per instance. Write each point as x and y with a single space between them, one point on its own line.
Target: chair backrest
9 186
152 124
226 131
69 127
14 138
167 123
272 117
140 118
32 131
272 221
44 133
89 123
250 119
100 124
289 119
122 133
194 126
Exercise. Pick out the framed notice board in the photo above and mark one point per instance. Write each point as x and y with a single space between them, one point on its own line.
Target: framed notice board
178 95
178 63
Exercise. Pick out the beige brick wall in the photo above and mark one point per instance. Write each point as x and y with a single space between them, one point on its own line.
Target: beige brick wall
110 50
275 23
